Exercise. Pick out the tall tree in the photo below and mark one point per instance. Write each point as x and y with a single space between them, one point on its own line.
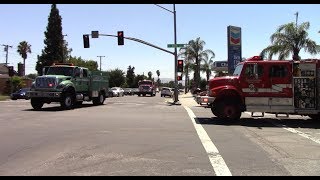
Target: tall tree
290 39
206 67
55 47
195 52
92 65
116 78
130 76
188 66
23 49
150 75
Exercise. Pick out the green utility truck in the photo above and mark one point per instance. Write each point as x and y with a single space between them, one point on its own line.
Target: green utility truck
70 85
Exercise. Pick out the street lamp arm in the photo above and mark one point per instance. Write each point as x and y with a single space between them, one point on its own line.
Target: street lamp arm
164 8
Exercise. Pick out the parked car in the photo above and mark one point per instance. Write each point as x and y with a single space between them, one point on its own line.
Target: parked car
166 91
20 94
128 91
117 91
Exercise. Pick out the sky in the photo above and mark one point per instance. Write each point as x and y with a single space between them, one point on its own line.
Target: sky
150 23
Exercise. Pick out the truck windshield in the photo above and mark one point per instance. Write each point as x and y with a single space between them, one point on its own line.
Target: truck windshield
146 82
66 71
238 70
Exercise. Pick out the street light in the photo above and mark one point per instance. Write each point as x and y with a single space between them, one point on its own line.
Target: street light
175 51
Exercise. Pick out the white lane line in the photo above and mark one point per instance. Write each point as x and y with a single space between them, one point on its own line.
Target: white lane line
219 166
307 136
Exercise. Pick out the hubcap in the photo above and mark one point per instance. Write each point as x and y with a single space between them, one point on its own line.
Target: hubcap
229 111
68 101
101 98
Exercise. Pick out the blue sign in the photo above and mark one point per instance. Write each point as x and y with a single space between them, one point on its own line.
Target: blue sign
234 47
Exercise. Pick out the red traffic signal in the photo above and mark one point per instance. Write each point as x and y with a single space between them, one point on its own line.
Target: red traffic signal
86 43
120 38
180 66
179 78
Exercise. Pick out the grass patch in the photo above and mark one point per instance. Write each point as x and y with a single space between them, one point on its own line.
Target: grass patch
4 97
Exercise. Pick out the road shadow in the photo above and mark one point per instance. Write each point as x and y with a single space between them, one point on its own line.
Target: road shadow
169 103
261 122
58 108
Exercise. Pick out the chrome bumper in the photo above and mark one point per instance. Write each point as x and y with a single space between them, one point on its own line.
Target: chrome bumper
204 99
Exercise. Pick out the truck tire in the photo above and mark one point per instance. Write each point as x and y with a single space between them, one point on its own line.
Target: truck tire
228 110
36 103
67 101
99 100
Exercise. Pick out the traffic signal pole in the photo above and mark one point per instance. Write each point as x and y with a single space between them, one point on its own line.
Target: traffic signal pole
175 56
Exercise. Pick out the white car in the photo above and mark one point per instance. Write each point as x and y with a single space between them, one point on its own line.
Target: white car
166 91
117 91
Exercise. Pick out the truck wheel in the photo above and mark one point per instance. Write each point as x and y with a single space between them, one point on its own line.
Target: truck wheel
99 100
36 103
67 101
228 110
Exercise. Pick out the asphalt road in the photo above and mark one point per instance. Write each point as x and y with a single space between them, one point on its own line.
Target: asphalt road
149 136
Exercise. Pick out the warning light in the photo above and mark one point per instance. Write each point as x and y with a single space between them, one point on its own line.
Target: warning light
180 66
120 38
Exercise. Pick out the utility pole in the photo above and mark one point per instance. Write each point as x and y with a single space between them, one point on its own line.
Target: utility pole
6 48
100 60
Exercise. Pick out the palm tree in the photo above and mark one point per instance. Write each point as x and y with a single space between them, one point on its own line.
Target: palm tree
206 67
290 39
194 51
150 75
23 49
188 66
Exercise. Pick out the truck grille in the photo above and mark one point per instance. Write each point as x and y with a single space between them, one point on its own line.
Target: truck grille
45 82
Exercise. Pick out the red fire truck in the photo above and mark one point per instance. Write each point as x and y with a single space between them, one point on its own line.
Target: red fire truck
271 86
146 87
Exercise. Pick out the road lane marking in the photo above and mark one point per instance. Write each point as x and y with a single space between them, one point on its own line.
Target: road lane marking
294 131
219 166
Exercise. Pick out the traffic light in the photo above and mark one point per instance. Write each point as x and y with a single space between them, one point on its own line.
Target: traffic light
11 71
86 43
120 38
179 78
180 66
